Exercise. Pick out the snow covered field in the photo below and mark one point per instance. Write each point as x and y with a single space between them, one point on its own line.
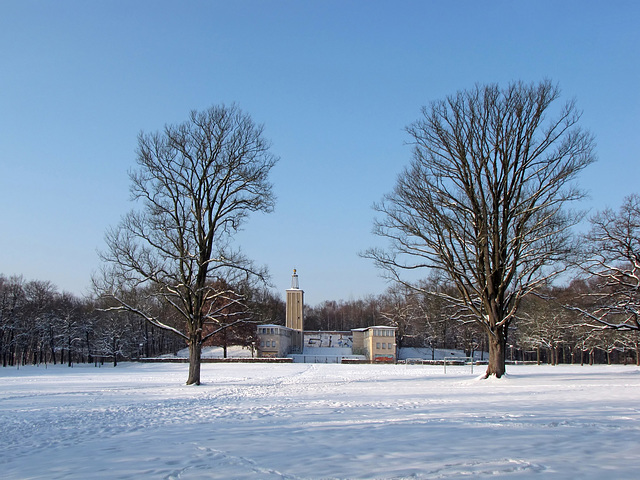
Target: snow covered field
304 421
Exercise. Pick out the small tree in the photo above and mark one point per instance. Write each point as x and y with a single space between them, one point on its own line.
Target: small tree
197 183
482 201
612 262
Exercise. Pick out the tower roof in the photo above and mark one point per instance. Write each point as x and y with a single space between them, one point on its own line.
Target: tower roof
294 280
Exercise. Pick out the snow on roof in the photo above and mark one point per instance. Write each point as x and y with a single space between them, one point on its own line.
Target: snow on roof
327 332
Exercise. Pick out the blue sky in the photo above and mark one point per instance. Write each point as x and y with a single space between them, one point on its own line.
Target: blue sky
334 83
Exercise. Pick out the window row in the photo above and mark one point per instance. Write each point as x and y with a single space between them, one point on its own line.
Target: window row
268 343
383 333
384 346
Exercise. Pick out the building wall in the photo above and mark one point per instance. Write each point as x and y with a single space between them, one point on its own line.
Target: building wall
358 341
327 339
274 341
295 302
380 344
295 318
377 344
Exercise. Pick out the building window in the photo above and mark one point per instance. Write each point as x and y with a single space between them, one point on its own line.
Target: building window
378 345
389 346
384 346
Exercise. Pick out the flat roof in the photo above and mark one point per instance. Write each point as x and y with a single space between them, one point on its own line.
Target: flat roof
334 332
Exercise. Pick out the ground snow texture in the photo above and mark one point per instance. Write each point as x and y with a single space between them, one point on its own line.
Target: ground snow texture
310 421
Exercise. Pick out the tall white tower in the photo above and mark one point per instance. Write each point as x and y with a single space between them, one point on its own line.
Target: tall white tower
294 315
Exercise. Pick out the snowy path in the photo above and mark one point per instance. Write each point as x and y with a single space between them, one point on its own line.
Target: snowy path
302 421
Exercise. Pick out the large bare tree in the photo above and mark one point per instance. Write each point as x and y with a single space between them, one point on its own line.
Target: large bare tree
195 183
483 199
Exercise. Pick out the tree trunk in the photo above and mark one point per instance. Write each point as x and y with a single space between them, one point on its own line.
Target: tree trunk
115 352
497 346
146 340
225 342
89 356
195 349
53 352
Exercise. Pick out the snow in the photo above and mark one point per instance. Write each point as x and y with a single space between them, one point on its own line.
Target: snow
317 421
215 352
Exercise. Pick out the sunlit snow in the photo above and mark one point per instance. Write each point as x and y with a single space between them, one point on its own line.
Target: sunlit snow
317 421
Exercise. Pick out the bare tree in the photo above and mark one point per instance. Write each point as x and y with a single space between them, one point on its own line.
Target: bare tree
197 183
42 299
543 323
12 305
115 336
400 310
483 200
630 341
612 261
69 323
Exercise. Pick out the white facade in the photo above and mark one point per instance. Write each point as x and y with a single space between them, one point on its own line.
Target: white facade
274 341
375 344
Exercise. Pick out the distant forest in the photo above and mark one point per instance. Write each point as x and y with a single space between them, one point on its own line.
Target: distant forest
41 325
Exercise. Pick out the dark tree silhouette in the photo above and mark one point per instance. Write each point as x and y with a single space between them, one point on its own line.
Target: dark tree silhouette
483 200
197 182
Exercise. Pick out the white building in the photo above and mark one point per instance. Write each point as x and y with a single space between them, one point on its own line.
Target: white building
374 344
274 341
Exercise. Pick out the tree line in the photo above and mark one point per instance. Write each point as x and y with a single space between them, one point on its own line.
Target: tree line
40 325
